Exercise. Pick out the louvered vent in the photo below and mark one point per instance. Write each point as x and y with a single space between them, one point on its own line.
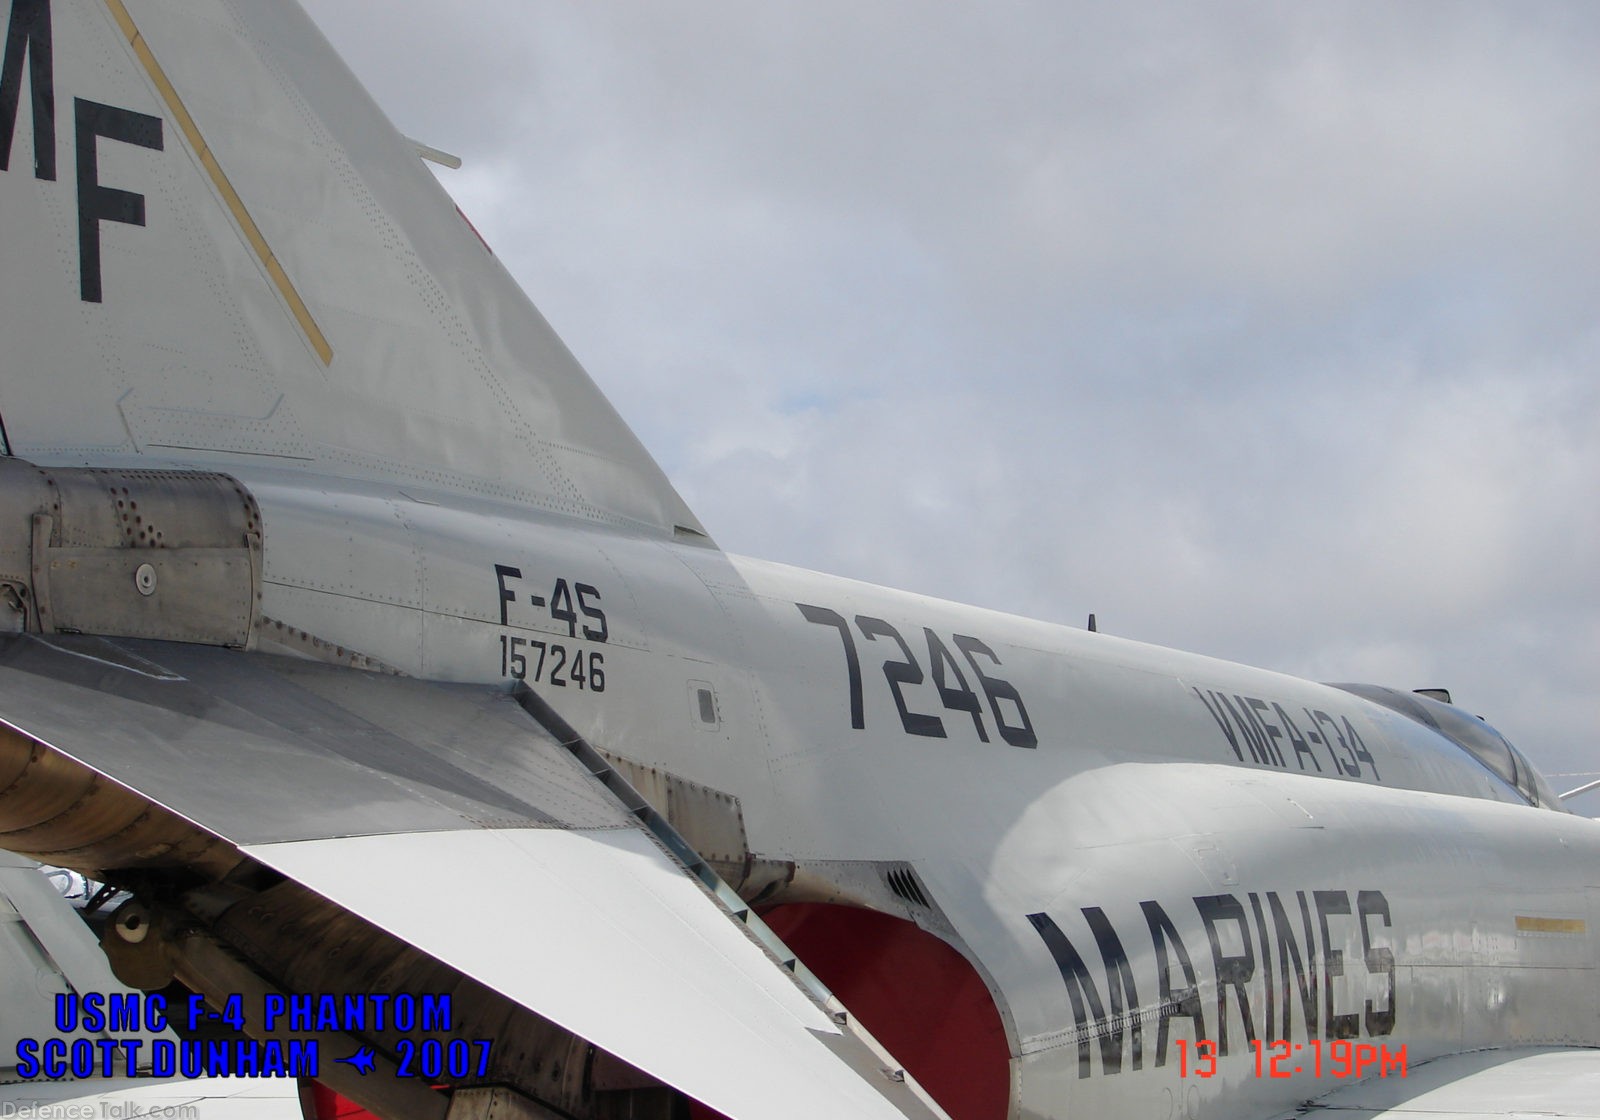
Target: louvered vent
903 882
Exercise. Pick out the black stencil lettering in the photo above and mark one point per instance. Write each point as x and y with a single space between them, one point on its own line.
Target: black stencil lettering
97 203
561 607
825 617
1177 1003
1317 718
961 698
1301 750
1018 735
585 593
1234 971
1290 962
28 39
1253 737
900 673
1088 1010
1359 747
1333 1026
1266 965
1216 714
1120 990
1334 735
1380 960
501 574
1270 733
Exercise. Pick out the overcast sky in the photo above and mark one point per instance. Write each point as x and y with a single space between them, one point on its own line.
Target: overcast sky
1264 330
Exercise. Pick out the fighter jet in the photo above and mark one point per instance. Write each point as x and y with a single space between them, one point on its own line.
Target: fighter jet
451 769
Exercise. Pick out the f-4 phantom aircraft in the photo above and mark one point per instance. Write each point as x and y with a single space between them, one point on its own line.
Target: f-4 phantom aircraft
449 762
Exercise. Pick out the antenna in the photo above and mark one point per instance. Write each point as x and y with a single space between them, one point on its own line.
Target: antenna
434 155
1585 788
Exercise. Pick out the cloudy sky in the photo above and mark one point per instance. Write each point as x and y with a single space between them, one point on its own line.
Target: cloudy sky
1263 330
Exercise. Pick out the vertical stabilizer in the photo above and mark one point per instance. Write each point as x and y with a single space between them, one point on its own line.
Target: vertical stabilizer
218 251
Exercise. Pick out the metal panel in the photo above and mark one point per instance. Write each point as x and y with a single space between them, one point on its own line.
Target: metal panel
323 751
195 594
174 555
708 818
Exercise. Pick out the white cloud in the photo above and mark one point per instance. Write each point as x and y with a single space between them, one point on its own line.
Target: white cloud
1266 330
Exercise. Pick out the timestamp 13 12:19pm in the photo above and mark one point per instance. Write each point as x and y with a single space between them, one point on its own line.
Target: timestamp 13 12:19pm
1335 1058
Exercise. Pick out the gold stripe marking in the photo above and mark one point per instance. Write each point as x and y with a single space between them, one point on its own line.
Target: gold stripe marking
1526 924
247 224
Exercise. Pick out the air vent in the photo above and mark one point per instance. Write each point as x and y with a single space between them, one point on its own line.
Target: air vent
703 706
903 882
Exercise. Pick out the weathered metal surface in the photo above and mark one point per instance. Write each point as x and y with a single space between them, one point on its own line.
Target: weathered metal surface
172 555
57 810
352 753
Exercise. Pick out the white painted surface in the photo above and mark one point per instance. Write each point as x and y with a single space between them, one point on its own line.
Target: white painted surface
1482 1085
607 937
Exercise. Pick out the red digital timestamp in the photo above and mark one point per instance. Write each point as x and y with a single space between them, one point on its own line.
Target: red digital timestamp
1338 1058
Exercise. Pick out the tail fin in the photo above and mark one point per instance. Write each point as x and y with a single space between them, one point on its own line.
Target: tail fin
215 249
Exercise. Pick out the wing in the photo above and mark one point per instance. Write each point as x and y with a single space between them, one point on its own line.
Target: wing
1481 1085
439 829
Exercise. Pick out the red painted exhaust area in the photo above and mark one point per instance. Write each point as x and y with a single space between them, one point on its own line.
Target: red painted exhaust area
915 994
918 996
